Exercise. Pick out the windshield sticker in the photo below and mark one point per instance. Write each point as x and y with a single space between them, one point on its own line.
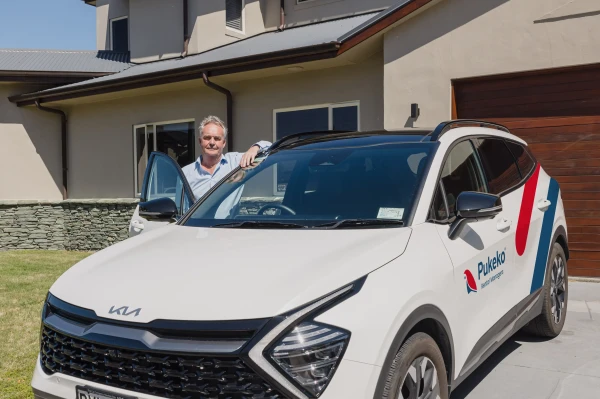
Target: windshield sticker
390 213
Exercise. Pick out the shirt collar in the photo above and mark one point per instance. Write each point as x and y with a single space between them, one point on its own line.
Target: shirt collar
199 162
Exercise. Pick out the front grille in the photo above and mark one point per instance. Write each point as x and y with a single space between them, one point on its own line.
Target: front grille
160 374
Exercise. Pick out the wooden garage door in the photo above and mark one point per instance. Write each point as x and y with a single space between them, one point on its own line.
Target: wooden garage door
558 114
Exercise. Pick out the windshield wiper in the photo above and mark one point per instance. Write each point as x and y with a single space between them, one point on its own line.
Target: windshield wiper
256 224
361 223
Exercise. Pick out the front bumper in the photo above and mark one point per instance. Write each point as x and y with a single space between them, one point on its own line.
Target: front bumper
353 380
79 349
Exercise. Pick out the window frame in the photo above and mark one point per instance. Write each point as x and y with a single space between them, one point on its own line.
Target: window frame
110 36
242 17
330 106
154 125
528 152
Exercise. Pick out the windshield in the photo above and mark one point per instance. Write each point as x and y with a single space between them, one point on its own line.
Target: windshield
319 187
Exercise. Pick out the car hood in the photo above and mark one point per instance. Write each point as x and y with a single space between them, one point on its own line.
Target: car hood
189 273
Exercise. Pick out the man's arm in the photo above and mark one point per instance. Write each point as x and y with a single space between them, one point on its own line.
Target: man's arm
250 155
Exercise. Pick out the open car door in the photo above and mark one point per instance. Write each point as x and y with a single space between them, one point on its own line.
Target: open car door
165 186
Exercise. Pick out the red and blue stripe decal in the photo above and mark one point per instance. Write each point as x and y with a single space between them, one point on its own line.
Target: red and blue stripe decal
541 259
526 211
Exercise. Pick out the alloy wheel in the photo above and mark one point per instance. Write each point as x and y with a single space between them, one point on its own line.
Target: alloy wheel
557 289
420 381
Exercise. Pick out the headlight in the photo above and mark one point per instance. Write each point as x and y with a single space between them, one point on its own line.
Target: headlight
302 355
310 354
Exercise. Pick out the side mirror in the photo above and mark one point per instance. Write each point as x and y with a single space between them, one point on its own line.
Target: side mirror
159 209
472 205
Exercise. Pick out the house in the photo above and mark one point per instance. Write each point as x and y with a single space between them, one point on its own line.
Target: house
275 67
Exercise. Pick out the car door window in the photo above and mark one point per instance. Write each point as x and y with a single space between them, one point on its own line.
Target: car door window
165 180
499 165
460 173
524 160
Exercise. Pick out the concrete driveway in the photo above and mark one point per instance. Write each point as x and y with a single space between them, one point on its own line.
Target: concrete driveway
565 367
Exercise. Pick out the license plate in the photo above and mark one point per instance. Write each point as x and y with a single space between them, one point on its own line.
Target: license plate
93 393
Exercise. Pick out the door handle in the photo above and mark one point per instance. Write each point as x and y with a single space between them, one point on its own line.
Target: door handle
543 205
503 225
137 226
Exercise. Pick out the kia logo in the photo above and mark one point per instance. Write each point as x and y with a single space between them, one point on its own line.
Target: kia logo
124 311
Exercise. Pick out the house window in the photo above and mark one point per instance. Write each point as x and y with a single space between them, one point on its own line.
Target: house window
340 117
234 14
119 34
174 138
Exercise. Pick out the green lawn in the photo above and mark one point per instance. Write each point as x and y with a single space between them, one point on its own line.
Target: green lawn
25 277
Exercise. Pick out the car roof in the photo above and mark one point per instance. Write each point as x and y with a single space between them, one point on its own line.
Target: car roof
329 139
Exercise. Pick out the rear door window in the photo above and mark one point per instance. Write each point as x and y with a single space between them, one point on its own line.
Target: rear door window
524 160
499 165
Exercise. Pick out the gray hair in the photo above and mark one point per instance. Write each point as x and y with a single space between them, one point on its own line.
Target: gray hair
215 121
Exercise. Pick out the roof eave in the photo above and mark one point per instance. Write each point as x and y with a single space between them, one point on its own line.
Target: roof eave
313 53
380 22
50 77
287 57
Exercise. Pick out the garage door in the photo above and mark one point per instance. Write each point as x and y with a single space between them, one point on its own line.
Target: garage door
558 114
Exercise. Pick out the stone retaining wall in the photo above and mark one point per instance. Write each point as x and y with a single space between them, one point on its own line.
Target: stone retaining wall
77 225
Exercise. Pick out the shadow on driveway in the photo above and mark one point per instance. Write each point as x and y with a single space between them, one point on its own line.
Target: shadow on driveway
490 364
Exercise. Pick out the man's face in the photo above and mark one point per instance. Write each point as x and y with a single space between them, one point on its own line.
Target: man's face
212 140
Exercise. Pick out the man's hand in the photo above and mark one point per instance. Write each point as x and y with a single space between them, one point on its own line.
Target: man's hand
249 156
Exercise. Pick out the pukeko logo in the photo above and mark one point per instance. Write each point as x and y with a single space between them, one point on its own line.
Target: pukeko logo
470 280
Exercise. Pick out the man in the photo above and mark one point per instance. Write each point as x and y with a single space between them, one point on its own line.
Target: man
211 166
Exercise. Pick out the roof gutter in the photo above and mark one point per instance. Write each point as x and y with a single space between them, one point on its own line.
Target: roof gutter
229 96
186 37
63 136
282 15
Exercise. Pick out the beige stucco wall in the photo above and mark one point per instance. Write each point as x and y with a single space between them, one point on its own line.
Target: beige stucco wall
208 28
465 38
105 11
255 100
30 155
155 29
318 10
101 143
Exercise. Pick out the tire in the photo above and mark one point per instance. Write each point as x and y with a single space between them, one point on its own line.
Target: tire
550 323
419 352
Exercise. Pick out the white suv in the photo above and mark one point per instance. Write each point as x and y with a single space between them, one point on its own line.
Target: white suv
341 266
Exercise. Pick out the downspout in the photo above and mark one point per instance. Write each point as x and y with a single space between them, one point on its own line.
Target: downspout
282 15
186 37
227 93
63 127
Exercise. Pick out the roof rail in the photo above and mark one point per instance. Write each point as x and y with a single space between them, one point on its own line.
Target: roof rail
293 138
453 124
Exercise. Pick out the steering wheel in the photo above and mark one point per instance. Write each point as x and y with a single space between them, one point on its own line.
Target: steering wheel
281 207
